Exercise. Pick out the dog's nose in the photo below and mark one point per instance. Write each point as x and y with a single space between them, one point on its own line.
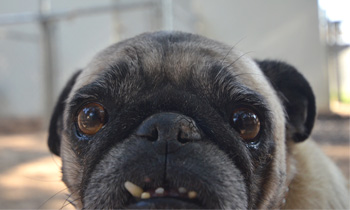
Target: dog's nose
169 129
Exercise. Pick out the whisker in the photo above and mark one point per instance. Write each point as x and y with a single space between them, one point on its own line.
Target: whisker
246 73
239 57
222 61
225 67
51 197
53 159
69 201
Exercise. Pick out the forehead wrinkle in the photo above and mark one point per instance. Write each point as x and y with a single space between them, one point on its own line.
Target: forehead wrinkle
151 47
226 84
79 96
89 92
172 60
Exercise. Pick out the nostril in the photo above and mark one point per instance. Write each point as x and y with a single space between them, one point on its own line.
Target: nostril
169 127
151 135
188 133
154 135
181 138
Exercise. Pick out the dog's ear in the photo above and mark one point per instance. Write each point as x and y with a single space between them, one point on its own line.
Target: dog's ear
56 123
296 95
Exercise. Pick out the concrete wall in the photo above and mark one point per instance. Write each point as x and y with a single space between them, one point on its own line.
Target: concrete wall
271 29
285 30
21 70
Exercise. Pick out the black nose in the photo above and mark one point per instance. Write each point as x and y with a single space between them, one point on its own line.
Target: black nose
169 129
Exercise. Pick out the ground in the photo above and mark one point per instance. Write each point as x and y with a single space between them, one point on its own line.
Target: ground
30 176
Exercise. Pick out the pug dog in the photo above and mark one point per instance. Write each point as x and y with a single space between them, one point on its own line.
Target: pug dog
172 120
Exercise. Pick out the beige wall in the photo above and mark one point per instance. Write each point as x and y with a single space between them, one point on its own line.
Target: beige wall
285 30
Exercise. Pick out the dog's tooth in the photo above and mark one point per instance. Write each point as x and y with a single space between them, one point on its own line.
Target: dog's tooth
133 189
182 190
159 191
145 195
192 194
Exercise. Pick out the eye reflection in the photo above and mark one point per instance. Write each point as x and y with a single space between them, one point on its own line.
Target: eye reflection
246 123
91 118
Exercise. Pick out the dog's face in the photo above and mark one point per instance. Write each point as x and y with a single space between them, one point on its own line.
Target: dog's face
175 120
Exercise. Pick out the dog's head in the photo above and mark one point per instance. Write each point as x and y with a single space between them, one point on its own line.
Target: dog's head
175 120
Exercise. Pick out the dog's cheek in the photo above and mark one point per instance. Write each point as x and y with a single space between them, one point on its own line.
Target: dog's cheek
71 172
276 180
104 188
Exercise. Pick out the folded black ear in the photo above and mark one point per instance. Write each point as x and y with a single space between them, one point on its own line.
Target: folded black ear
296 96
56 123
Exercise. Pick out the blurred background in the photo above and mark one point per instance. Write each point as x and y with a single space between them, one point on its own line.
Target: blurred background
43 42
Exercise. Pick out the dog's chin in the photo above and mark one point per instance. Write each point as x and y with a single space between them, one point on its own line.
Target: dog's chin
165 203
171 197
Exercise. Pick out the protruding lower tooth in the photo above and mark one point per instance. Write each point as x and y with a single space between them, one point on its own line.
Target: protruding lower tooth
145 195
133 189
159 191
192 194
182 190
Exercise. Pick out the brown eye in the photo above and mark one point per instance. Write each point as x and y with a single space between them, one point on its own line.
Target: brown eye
246 123
91 118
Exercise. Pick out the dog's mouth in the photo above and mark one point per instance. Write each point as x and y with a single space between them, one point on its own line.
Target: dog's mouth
187 179
162 197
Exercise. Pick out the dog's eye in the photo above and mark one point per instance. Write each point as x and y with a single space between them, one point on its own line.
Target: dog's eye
91 118
246 123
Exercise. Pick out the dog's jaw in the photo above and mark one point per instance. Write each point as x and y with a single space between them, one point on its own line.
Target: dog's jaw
249 76
212 191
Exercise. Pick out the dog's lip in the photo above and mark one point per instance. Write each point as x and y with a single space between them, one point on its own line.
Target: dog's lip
164 203
159 195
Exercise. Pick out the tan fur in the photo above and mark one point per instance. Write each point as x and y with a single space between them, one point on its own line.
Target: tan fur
315 182
185 55
318 183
